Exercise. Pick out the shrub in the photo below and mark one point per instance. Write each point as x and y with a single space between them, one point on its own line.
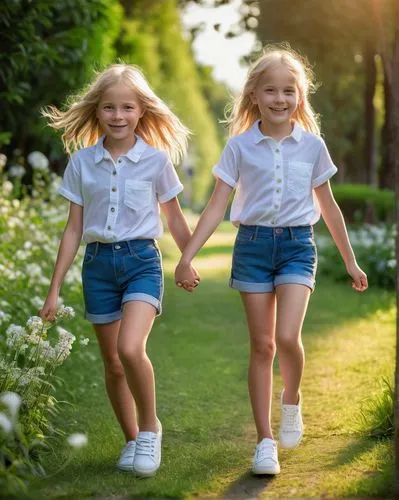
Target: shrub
374 247
362 203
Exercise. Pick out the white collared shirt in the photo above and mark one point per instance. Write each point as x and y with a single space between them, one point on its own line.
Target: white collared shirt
274 180
120 199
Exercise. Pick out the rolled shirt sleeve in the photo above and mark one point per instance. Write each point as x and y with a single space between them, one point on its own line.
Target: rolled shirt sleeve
227 168
168 184
71 185
324 167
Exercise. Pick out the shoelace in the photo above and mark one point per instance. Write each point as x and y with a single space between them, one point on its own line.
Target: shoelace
290 419
146 446
265 451
129 449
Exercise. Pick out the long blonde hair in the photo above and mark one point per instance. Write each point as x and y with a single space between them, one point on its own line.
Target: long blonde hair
159 127
244 112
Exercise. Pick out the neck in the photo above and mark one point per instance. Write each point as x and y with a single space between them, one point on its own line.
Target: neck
276 130
117 148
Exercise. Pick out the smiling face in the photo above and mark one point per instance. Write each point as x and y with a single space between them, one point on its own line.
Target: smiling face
118 113
277 97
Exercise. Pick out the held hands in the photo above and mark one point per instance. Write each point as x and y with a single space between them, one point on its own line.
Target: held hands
359 277
186 276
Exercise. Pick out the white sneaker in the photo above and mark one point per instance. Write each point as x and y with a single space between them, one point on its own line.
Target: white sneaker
147 458
291 427
125 462
265 460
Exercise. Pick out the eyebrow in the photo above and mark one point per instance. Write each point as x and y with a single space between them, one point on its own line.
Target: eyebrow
123 103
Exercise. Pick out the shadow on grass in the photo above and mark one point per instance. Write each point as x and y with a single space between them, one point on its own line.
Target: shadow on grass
378 482
248 486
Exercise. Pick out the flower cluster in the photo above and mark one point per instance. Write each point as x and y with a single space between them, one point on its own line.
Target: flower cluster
31 357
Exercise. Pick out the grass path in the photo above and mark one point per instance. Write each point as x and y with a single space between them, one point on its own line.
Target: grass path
199 348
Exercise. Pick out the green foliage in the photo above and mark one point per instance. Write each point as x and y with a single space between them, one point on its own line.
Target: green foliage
47 54
374 247
377 414
362 203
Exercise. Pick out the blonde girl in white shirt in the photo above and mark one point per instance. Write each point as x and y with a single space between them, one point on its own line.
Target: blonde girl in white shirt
280 168
116 186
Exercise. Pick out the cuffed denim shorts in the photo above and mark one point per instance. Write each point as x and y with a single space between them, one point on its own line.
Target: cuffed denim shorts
115 273
265 257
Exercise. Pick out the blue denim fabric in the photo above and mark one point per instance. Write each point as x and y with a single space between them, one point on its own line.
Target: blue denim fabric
265 257
115 273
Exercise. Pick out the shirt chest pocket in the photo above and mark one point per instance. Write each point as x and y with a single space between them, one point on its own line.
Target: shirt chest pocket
299 176
137 194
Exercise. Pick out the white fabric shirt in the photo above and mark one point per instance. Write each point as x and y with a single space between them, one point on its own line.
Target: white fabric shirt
274 180
120 199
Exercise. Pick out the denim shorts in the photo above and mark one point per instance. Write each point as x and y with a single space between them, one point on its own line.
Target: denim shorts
265 257
115 273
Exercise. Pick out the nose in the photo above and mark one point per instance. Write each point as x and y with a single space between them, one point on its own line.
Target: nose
279 96
117 115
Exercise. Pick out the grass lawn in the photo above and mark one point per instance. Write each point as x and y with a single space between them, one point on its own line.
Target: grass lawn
199 348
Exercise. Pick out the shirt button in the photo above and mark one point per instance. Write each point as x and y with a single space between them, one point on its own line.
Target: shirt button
112 209
279 181
119 161
275 206
278 190
113 189
114 172
277 166
277 151
109 228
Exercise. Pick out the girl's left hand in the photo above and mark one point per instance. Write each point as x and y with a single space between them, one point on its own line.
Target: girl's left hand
360 283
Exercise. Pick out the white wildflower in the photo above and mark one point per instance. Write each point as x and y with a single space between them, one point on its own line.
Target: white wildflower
65 312
34 324
7 187
37 302
16 171
38 161
12 400
5 423
3 160
16 336
77 440
84 341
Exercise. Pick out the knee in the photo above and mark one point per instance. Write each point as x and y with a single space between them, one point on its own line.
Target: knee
264 349
113 367
286 342
131 354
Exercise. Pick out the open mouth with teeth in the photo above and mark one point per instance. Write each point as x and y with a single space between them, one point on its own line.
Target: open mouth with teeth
278 110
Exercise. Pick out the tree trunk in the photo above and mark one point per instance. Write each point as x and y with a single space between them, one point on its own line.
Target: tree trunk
387 175
369 114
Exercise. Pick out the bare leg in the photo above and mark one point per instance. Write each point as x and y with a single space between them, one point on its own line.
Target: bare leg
260 311
136 324
292 302
115 381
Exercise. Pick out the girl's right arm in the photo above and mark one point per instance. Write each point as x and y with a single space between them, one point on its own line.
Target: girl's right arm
210 218
68 248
